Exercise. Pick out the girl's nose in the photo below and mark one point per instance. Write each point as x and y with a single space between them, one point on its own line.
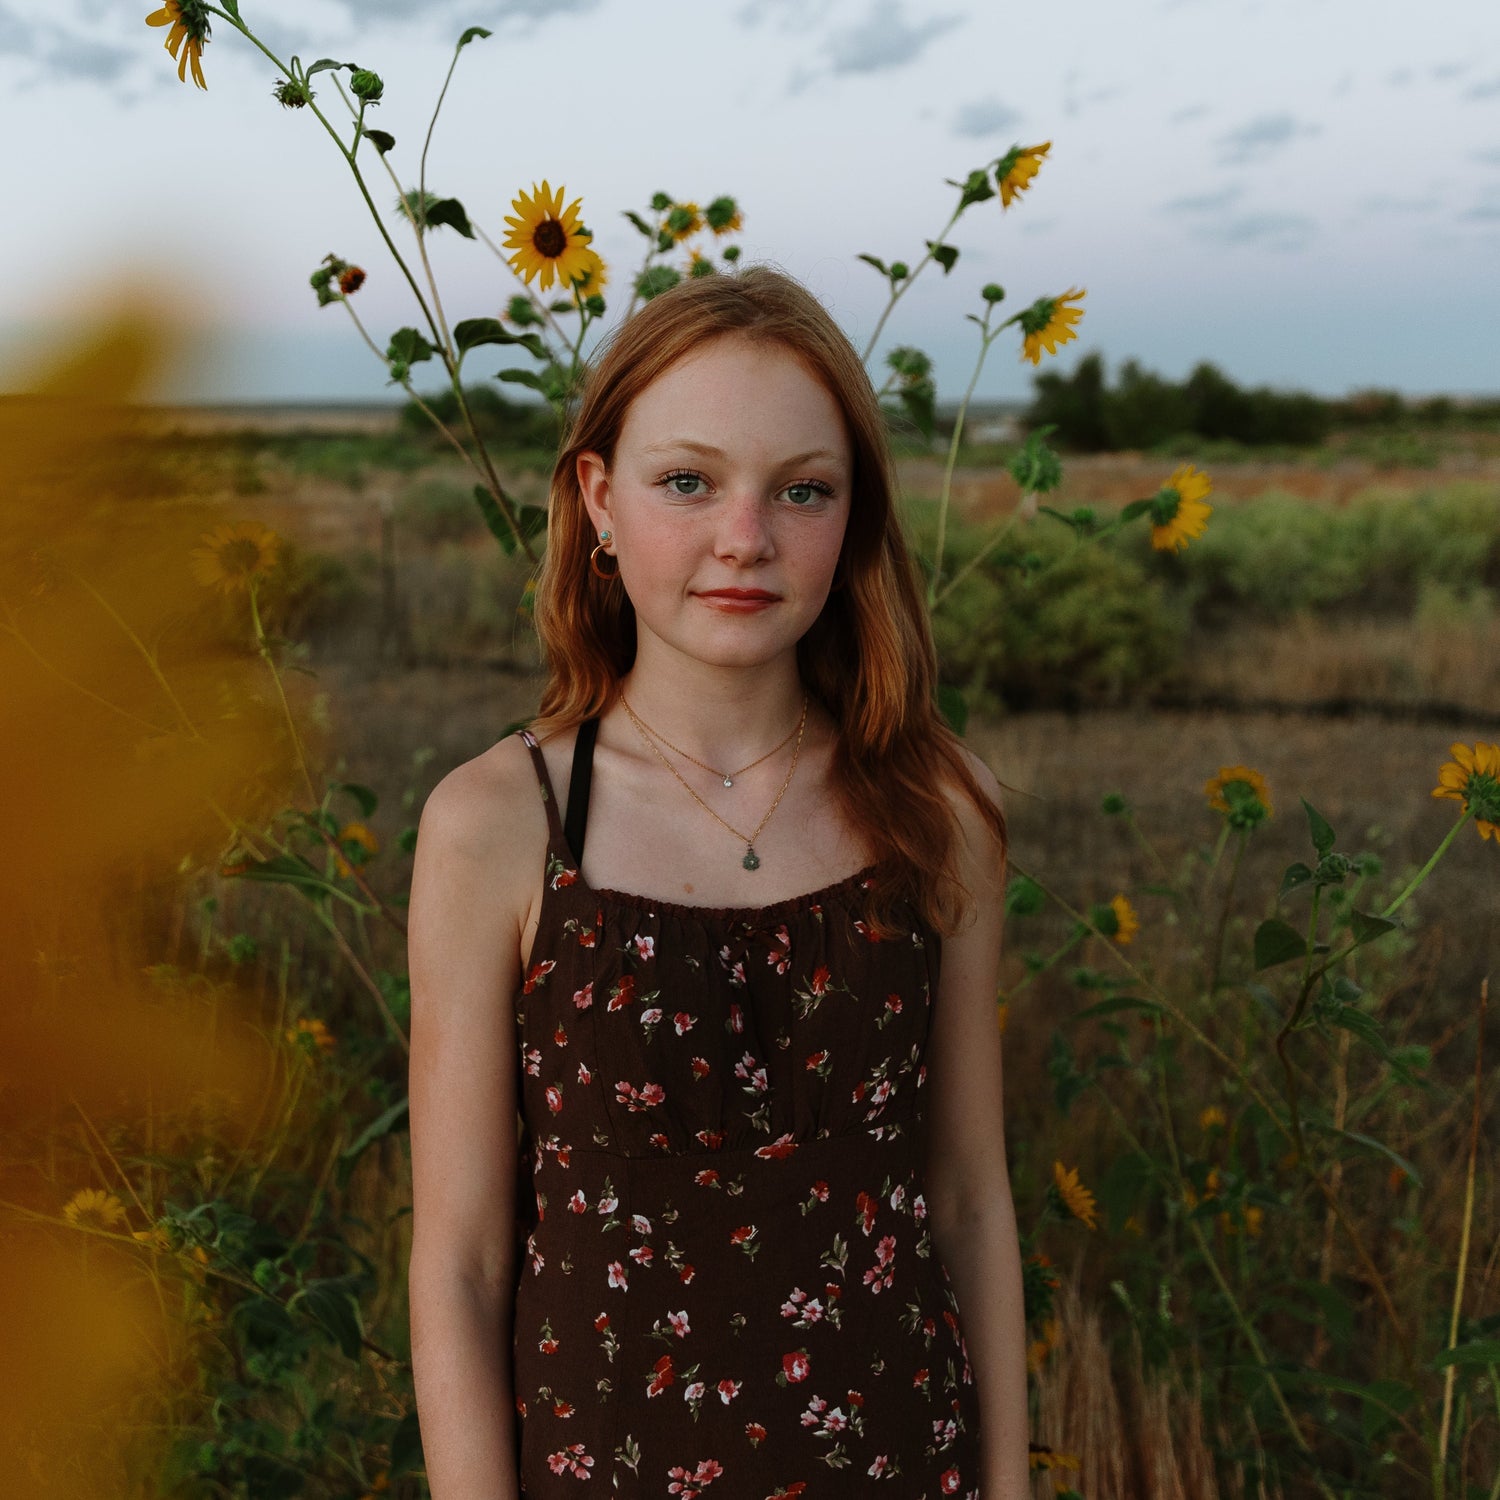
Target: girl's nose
744 534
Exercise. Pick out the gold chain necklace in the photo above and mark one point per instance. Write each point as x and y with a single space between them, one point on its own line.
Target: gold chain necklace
727 777
751 861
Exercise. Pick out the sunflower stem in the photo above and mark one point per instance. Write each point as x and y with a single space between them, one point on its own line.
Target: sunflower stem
1217 961
986 338
263 646
900 289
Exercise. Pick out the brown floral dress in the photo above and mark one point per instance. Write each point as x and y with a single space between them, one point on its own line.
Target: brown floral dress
728 1287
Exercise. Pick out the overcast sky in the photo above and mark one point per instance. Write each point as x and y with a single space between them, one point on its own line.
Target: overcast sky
1306 192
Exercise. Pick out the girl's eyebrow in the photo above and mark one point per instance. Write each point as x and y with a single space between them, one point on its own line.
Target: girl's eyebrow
707 450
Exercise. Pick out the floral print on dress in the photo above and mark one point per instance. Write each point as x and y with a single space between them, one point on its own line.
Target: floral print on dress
728 1283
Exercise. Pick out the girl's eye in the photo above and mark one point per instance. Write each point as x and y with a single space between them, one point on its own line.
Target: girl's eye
684 483
807 492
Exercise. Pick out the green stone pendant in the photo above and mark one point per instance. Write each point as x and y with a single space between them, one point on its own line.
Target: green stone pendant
751 861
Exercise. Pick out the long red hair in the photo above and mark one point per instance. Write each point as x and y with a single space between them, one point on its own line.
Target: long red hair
868 657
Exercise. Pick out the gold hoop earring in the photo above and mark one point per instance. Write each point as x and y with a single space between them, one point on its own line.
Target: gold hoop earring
599 572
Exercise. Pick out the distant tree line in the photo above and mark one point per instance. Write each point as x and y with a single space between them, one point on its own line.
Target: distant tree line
1141 409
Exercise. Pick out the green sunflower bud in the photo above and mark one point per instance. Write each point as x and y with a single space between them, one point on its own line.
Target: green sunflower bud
732 253
992 293
292 93
899 270
364 84
1114 805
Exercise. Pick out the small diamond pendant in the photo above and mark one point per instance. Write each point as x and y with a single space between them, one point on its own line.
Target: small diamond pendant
751 861
728 781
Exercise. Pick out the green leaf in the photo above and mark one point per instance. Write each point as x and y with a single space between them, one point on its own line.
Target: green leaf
1317 825
382 140
363 795
1277 943
1119 1188
1117 1002
649 230
377 1129
658 279
287 869
945 255
1036 467
1134 509
976 188
473 332
1023 897
528 378
449 211
474 33
1366 927
325 64
953 707
406 840
408 346
532 519
875 260
233 7
1479 1352
1370 1144
1296 876
331 1303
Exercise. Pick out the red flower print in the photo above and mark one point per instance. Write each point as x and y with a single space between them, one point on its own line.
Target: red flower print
564 1156
537 974
683 1022
563 879
562 1409
728 1390
585 997
645 947
651 1017
883 1273
679 1322
820 1191
780 956
560 1037
881 1464
818 984
755 1076
920 1378
866 932
659 1140
756 1433
949 1481
617 1276
736 1019
708 1177
893 1004
578 1204
712 1139
554 1097
547 1346
685 1275
743 1233
815 1060
856 1399
521 1405
663 1377
640 1224
694 1392
700 1067
584 1076
638 1100
622 993
574 1460
779 1149
866 1206
533 1058
608 1203
601 1322
692 1484
642 1255
795 1366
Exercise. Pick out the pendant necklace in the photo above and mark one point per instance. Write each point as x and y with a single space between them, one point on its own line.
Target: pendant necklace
751 860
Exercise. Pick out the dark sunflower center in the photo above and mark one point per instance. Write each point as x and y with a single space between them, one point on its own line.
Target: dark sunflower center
239 557
550 239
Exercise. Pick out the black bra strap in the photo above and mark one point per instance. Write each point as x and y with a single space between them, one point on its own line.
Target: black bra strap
579 786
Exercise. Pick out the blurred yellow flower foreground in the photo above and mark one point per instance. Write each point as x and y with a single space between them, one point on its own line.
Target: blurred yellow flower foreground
1472 777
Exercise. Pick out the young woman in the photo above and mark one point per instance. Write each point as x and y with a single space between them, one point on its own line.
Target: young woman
723 929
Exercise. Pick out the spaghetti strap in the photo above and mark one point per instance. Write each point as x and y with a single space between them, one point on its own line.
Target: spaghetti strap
556 839
580 784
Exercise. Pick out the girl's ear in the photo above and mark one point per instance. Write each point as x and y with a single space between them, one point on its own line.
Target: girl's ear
593 485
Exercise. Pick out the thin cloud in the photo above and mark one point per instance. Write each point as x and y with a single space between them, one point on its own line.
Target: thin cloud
1204 203
1188 113
1489 157
794 15
1386 203
981 117
1489 89
1265 231
498 10
1262 137
884 39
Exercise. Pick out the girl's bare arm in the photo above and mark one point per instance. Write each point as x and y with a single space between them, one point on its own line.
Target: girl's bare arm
469 905
973 1217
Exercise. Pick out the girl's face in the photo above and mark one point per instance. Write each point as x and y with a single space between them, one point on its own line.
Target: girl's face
726 503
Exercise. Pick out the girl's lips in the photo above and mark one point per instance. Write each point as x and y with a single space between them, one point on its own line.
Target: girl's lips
738 601
761 594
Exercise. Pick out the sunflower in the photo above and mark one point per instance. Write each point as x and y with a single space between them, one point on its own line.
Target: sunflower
547 238
360 837
700 265
685 220
1014 170
92 1208
594 278
1212 1118
234 555
185 41
1472 777
1073 1196
1127 924
1049 322
723 216
312 1034
1177 509
1241 794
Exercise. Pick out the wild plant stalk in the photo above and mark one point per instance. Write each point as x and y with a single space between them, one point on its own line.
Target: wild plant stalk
900 286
